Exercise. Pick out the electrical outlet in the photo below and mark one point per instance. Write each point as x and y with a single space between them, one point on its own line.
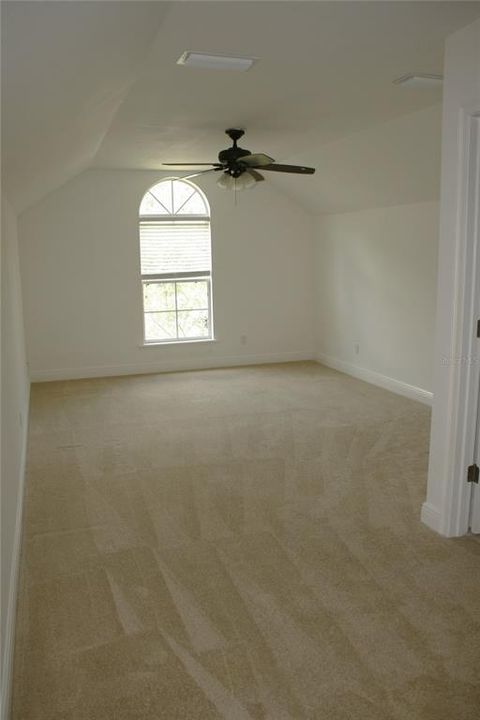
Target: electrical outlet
356 348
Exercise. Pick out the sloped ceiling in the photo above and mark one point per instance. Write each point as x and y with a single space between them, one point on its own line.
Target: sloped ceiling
392 163
66 68
96 84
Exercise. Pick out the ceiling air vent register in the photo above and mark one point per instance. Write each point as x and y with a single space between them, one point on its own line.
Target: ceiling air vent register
207 61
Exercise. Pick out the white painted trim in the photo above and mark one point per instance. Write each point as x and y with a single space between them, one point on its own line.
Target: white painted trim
465 374
160 366
454 411
371 376
431 517
9 639
178 342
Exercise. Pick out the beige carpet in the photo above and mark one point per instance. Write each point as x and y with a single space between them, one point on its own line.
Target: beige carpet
240 544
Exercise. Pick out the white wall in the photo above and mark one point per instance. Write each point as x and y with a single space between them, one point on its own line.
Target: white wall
14 414
82 295
376 282
461 94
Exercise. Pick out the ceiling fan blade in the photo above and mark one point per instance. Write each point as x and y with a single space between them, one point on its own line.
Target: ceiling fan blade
191 165
256 159
299 169
255 175
202 172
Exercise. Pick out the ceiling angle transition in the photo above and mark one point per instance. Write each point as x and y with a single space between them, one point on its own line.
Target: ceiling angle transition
420 81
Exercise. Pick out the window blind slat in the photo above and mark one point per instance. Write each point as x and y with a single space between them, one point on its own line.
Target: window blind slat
174 247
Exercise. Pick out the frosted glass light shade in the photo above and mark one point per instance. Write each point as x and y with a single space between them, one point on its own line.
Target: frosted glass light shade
244 182
226 181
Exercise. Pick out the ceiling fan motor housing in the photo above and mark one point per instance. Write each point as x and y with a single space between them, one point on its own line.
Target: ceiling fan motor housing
230 156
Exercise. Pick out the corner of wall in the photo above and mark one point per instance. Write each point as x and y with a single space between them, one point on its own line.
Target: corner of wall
366 295
375 378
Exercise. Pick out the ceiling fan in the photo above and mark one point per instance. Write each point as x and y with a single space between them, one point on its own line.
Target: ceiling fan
239 167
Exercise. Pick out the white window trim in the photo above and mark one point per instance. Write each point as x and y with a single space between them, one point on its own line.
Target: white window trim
174 218
187 341
177 277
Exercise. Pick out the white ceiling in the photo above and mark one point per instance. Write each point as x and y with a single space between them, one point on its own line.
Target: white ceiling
96 83
393 163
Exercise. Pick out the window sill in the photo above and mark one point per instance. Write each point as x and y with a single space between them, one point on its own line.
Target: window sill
177 342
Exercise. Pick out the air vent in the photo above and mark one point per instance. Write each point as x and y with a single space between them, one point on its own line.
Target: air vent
215 62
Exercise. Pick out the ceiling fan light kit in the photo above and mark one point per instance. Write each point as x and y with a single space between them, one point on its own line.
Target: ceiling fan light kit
239 167
244 182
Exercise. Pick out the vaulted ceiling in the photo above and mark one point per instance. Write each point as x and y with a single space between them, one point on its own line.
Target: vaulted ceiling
96 84
66 68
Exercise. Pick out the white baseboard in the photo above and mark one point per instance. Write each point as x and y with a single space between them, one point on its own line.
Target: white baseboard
397 386
431 517
9 639
159 366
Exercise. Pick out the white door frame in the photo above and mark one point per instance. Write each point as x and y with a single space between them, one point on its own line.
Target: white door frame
465 361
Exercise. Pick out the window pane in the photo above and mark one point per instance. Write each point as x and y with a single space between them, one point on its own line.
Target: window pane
158 296
160 326
181 193
151 206
187 200
194 206
193 323
191 295
163 193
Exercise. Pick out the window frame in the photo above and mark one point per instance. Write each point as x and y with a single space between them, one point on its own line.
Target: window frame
177 277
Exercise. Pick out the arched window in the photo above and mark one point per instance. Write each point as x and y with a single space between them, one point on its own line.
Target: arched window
176 263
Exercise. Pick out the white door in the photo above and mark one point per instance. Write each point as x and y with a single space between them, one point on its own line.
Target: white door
475 506
474 229
470 357
448 507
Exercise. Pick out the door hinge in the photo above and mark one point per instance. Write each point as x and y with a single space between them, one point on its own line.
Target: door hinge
478 328
473 473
